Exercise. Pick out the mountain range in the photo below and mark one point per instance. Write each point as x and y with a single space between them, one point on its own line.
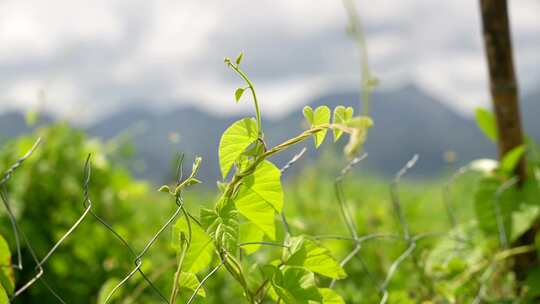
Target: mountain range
407 121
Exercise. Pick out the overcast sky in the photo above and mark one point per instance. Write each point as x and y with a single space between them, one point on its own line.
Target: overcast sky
92 57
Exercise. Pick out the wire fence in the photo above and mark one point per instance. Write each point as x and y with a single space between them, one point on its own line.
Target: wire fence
404 235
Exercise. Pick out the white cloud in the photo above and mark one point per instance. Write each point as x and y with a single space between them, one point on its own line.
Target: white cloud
102 54
40 28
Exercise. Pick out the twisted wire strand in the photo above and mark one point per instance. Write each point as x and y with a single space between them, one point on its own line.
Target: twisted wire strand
138 258
5 199
287 166
87 204
394 192
345 211
6 176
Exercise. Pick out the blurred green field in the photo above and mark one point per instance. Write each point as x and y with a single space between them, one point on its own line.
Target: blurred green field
46 194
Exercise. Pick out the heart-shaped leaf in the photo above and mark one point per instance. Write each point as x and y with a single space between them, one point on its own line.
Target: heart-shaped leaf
312 256
190 282
260 196
320 116
201 249
295 285
234 141
341 116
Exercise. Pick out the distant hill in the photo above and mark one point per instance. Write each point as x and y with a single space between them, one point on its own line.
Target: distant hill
407 121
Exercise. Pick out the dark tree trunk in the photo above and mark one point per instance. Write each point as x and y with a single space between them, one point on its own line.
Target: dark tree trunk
503 83
504 92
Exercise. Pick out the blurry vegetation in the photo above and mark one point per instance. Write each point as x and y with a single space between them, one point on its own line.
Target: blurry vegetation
329 235
46 194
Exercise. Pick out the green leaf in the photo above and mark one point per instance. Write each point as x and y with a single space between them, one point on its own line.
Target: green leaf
164 188
3 296
449 257
234 141
533 282
329 296
321 116
201 249
106 289
484 206
530 190
260 196
222 226
7 278
239 58
523 219
249 233
487 123
360 124
190 282
341 116
295 286
312 256
31 118
238 94
308 114
511 159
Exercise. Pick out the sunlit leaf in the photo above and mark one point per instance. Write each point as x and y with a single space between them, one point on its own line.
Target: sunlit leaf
201 249
239 58
190 282
511 159
341 116
523 219
260 196
238 94
486 122
7 279
487 202
234 141
360 125
295 285
106 289
320 116
250 233
3 296
314 257
330 296
222 227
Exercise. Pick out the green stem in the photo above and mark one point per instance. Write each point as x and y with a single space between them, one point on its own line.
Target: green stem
368 81
176 282
244 76
237 178
232 266
185 247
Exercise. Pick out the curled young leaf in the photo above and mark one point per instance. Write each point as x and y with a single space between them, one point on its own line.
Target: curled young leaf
239 58
358 137
238 94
